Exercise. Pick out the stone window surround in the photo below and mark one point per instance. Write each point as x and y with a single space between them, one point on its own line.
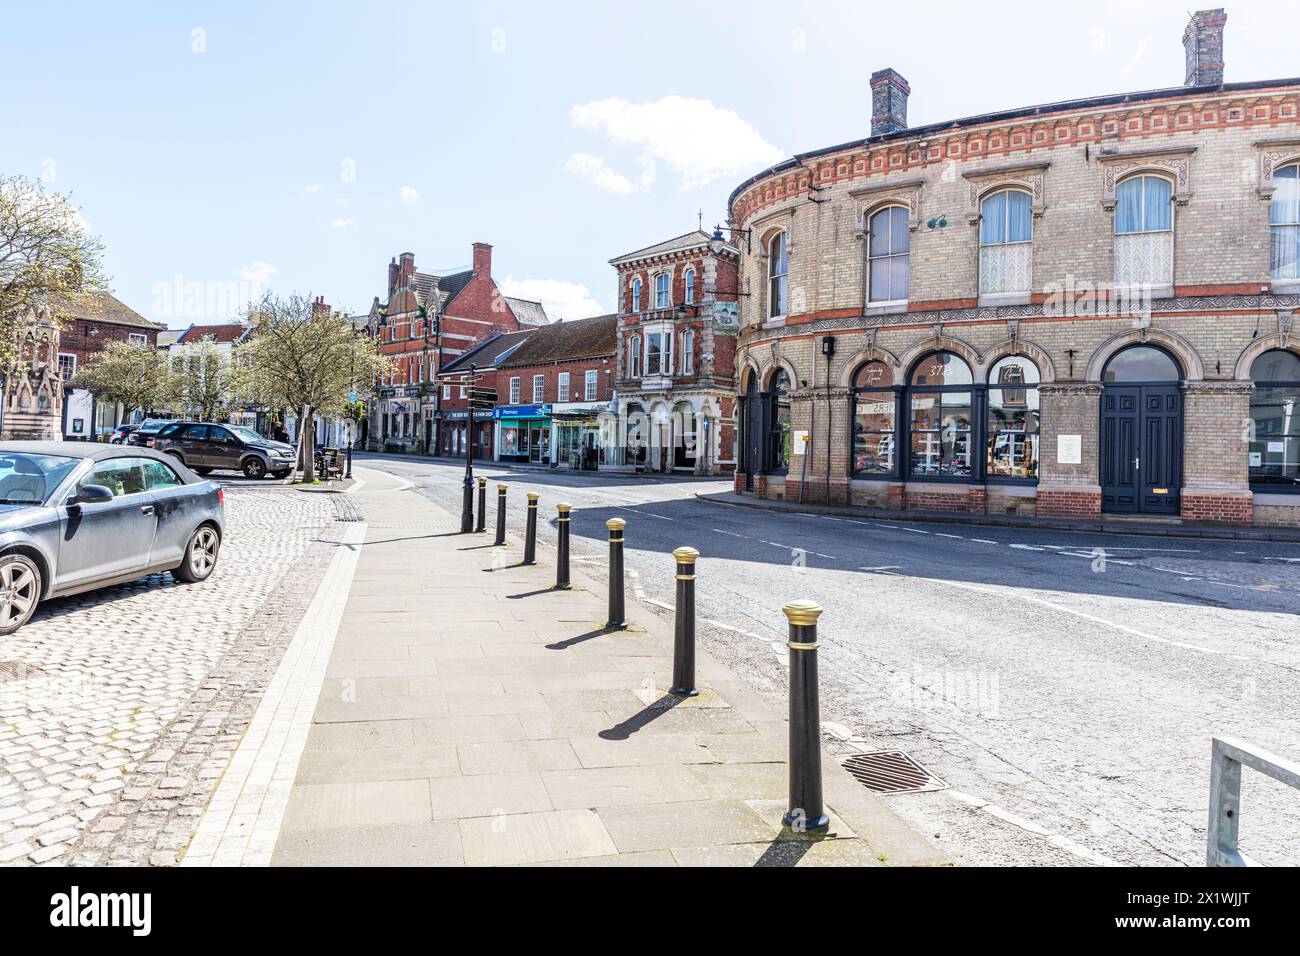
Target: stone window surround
1026 177
1272 154
1174 162
764 230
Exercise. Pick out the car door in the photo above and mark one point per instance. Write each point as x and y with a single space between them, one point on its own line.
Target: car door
107 539
194 446
225 449
177 506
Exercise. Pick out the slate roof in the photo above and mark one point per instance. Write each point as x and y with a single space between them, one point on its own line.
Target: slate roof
488 354
691 240
565 341
528 312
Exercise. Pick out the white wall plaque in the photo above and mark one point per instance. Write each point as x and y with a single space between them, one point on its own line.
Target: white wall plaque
1069 449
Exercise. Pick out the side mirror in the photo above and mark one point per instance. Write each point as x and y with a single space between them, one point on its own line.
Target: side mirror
92 495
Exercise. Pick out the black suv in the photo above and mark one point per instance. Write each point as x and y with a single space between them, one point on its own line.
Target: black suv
206 447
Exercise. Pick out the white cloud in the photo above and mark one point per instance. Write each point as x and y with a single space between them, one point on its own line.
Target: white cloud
258 273
341 223
563 300
408 195
700 141
593 169
313 188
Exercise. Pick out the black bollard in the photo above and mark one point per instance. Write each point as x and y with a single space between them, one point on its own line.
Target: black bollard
684 640
501 515
530 538
562 548
807 813
617 614
482 505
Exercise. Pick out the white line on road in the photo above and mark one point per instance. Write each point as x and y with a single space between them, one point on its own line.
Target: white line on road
730 533
984 541
884 567
940 534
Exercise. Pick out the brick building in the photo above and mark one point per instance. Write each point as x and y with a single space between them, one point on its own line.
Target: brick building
429 320
555 393
676 381
1082 308
454 394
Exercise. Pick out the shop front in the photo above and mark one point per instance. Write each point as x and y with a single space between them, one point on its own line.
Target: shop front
584 438
523 433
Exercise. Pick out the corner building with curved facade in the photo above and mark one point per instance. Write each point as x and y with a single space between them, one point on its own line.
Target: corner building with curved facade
1073 310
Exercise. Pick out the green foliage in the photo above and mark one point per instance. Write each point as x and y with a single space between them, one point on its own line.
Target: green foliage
135 376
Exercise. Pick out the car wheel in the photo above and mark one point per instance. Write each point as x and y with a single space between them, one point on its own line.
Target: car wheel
282 474
200 556
254 468
20 591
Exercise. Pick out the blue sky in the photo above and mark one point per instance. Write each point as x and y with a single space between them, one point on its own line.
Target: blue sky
299 146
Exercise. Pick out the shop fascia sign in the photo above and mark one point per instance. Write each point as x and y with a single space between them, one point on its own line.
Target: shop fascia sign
522 411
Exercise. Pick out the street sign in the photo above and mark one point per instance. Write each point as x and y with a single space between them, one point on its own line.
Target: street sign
483 394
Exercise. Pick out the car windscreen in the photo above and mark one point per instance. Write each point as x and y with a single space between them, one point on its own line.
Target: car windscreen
247 434
30 479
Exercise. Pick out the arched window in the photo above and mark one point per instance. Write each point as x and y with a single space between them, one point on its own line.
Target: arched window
1274 454
688 281
688 352
939 396
634 357
1144 231
778 453
778 276
1013 418
636 294
1140 364
888 251
1006 243
1285 218
663 290
875 414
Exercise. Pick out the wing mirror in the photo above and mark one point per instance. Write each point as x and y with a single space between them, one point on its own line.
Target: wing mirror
92 495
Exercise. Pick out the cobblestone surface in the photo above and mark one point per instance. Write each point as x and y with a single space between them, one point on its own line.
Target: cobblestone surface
119 708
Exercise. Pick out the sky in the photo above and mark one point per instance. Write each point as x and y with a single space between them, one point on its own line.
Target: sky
221 150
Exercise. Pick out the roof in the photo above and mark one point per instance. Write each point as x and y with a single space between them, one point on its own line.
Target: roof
692 240
1045 109
488 354
223 333
81 449
528 312
103 307
169 337
563 341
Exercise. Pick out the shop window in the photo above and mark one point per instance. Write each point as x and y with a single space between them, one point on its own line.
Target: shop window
1274 452
940 397
1285 219
875 415
1144 232
779 436
889 248
1006 243
1013 419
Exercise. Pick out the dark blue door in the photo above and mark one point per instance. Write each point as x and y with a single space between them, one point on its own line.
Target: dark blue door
1141 449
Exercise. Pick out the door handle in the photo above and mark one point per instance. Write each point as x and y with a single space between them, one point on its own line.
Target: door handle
146 509
1137 464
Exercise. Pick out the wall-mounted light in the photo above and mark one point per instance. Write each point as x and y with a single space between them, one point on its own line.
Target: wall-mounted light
938 222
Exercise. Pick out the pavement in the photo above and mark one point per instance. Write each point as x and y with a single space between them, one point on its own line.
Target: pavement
442 704
1064 685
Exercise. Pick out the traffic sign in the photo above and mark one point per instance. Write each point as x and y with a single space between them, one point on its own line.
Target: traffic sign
484 394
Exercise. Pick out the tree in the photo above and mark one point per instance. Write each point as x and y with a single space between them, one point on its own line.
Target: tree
133 376
46 256
200 380
302 356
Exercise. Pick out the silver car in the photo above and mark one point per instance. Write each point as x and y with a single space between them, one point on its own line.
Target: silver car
76 516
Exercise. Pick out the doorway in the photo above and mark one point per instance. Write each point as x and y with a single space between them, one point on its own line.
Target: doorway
1141 433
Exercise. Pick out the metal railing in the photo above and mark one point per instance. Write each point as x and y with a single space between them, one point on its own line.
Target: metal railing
1227 757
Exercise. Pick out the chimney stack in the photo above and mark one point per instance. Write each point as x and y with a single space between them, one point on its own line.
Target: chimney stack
1203 41
405 271
318 307
888 102
392 277
483 259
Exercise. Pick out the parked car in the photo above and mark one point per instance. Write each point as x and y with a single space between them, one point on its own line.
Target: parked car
76 516
208 446
147 430
120 434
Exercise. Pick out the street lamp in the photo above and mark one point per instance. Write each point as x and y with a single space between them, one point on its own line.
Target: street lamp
717 241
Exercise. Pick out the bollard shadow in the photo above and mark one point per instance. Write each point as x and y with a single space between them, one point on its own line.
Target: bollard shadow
479 547
580 639
528 594
784 852
625 729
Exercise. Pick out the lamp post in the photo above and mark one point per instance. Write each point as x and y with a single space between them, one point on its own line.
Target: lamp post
467 510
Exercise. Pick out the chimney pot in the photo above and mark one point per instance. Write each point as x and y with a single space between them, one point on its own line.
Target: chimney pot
1203 44
889 92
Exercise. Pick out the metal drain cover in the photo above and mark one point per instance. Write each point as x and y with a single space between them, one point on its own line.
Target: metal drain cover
891 771
11 671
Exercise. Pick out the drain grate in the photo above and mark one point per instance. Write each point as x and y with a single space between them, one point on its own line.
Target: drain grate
891 771
12 671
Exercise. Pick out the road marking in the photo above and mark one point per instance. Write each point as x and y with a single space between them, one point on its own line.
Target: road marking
984 541
730 533
648 514
940 534
884 567
661 604
891 527
1027 547
915 530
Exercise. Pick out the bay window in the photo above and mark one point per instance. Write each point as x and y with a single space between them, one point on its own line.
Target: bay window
1006 243
1144 232
657 359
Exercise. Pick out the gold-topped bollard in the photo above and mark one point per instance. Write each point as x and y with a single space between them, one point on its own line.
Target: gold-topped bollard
501 516
684 636
482 505
806 814
617 613
530 538
562 547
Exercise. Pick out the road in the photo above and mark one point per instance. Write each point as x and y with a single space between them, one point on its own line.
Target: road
1064 686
